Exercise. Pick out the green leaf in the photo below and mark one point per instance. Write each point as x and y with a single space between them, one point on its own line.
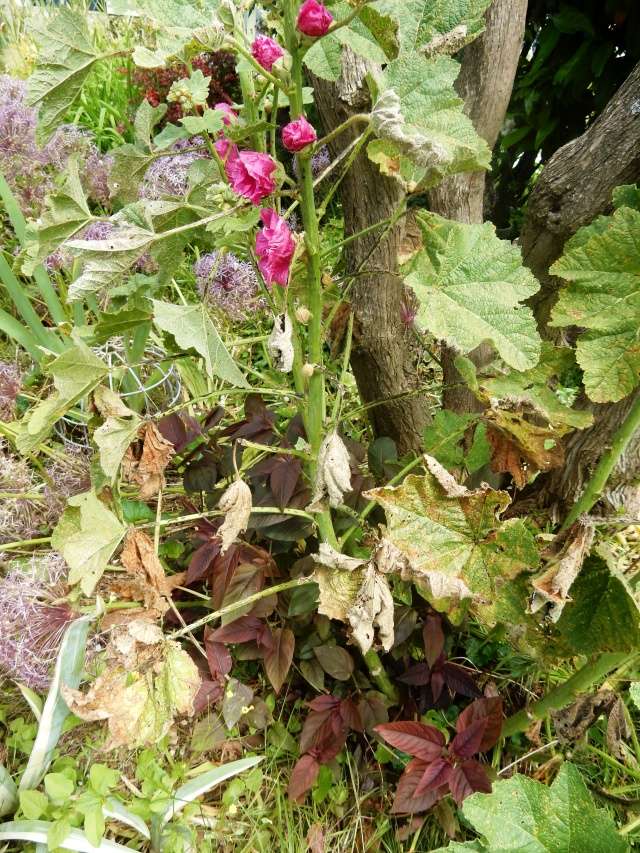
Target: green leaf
210 121
36 831
627 195
103 778
471 286
58 831
87 535
113 439
603 297
8 793
66 55
454 541
420 21
192 328
130 164
58 786
94 824
424 132
146 118
324 58
75 374
443 437
524 815
112 325
65 214
68 669
634 693
198 86
33 804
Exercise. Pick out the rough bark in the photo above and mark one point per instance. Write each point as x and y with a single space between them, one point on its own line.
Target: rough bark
572 190
384 367
489 67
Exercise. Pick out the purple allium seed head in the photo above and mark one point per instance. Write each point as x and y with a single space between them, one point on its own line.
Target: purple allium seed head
33 619
10 382
169 176
20 517
227 284
98 230
97 168
57 260
319 162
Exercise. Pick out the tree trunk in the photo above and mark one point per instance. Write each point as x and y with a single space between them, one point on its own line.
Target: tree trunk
383 364
573 188
489 66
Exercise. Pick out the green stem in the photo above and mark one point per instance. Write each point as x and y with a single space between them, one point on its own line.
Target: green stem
358 117
562 695
607 463
379 674
25 543
235 45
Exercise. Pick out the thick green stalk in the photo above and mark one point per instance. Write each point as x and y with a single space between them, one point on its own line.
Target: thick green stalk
607 463
562 695
379 674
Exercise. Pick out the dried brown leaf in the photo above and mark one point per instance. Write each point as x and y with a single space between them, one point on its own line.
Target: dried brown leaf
236 503
148 470
553 586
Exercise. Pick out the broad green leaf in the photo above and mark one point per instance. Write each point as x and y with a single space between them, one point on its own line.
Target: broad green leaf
58 786
104 262
66 55
87 535
443 438
75 374
603 297
206 782
192 328
420 21
471 286
324 58
8 793
113 439
627 195
130 164
524 815
146 118
424 132
68 669
453 538
33 804
535 389
197 85
65 214
37 831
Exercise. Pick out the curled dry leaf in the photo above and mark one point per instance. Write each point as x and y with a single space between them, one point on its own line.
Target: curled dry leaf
236 503
520 448
150 583
552 587
333 479
148 469
572 723
146 682
110 404
388 122
280 343
372 608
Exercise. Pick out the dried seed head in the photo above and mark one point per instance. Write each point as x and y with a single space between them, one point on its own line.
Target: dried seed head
280 343
334 473
236 503
303 315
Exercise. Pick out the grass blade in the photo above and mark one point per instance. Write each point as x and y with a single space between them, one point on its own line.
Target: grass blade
32 699
26 310
36 832
116 811
14 329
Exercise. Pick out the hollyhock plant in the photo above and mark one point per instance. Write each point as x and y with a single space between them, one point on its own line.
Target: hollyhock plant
298 134
251 174
266 51
274 247
230 115
314 19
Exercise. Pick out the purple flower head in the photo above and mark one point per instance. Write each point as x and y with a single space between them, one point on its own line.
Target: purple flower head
33 619
319 162
227 284
98 230
169 176
57 260
97 168
10 382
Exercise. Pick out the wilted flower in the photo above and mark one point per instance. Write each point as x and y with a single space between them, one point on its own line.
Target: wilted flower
227 283
266 51
33 619
169 176
298 134
10 381
314 19
251 174
275 247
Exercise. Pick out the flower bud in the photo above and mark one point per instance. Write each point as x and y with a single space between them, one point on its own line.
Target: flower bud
308 370
303 315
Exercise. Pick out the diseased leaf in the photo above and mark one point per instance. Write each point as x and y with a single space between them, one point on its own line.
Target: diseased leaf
522 814
603 297
236 504
471 286
87 535
65 57
236 702
192 328
141 561
521 448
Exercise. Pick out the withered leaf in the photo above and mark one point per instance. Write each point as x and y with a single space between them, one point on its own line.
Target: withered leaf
333 479
572 723
521 448
147 470
236 503
553 586
141 561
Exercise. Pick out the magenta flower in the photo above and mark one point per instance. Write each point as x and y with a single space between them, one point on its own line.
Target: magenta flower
274 247
314 19
226 148
266 51
251 174
298 134
230 114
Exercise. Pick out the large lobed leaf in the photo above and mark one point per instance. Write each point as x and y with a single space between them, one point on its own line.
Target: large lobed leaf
421 21
471 286
602 266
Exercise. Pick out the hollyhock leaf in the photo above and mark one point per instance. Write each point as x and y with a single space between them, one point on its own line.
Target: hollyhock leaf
335 661
146 466
488 709
417 739
467 742
468 778
130 165
278 659
324 58
87 535
437 774
66 55
146 118
433 638
192 328
443 437
471 286
303 775
421 21
113 439
522 814
405 800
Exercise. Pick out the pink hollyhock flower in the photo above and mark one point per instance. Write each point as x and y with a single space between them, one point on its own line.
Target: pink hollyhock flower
230 114
314 19
266 51
274 247
250 174
226 148
298 134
